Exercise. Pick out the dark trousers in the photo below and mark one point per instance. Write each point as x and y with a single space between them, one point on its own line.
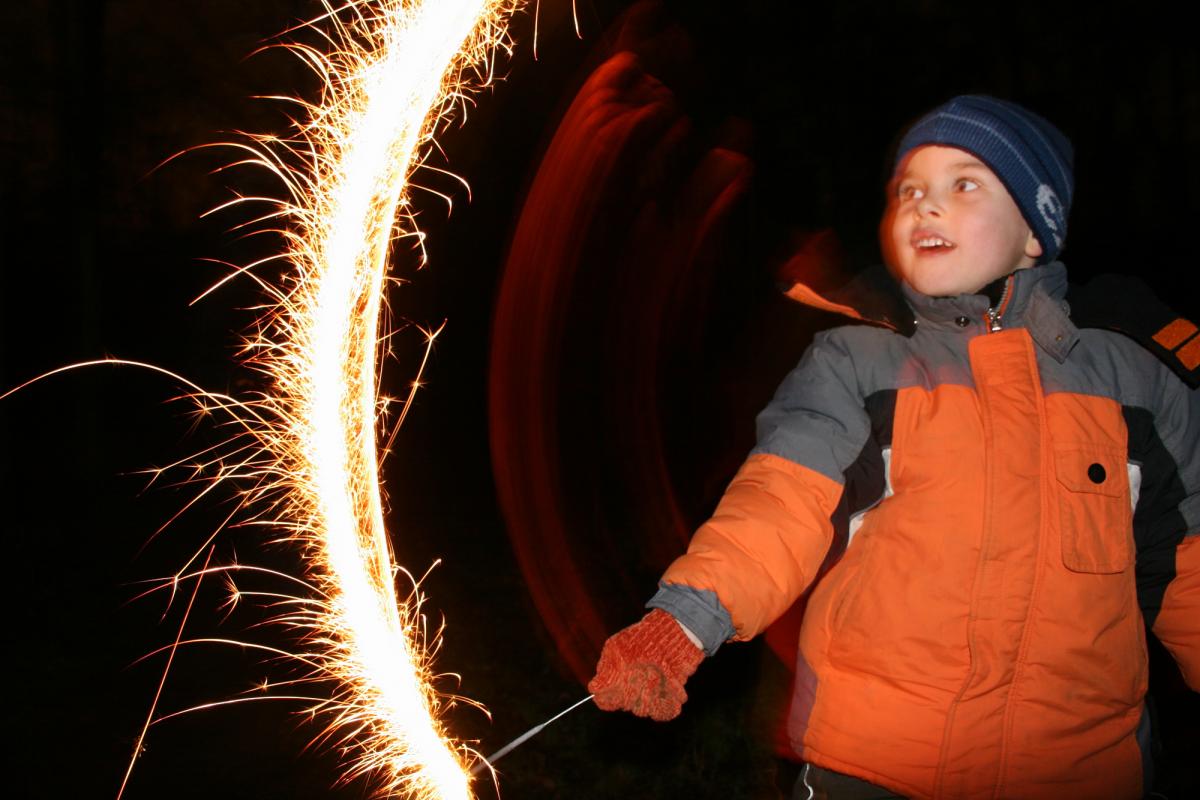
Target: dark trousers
818 783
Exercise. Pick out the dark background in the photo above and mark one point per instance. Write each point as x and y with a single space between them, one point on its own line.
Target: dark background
101 253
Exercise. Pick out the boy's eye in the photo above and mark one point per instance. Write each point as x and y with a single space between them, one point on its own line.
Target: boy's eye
966 185
907 191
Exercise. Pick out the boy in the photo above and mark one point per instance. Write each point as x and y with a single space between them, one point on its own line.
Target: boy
1006 499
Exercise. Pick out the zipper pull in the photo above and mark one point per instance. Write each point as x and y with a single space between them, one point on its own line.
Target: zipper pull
993 314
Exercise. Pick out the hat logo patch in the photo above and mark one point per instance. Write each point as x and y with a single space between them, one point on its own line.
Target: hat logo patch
1051 209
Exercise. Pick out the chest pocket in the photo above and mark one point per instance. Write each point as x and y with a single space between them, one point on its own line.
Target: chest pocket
1095 510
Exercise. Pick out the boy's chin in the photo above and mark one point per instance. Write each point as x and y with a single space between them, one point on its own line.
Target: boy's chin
930 283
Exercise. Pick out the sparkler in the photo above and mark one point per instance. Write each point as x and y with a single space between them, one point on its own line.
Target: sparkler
487 763
396 71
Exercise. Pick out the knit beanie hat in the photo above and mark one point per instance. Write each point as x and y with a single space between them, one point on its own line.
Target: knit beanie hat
1032 158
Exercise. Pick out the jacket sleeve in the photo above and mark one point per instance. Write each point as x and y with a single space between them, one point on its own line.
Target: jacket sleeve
1178 622
775 523
1169 530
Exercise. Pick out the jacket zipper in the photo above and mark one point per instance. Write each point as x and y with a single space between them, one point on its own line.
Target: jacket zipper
993 318
994 314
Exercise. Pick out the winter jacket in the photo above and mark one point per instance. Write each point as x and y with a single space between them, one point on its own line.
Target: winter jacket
1005 512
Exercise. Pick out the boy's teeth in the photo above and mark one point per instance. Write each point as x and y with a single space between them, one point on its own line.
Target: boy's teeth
933 241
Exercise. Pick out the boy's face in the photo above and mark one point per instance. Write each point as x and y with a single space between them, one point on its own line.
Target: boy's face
951 227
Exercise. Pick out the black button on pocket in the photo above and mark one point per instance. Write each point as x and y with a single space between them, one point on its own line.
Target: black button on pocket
962 322
1096 473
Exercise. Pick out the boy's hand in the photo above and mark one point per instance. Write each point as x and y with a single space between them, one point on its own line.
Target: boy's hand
643 667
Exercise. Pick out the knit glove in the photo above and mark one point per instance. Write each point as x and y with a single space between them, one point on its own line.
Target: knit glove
643 667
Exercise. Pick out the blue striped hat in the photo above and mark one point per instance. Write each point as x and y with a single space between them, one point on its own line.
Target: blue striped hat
1030 156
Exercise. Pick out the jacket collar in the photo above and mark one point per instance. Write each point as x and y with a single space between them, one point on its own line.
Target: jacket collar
1034 300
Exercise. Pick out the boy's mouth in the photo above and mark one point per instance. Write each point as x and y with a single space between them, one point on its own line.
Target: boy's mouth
928 241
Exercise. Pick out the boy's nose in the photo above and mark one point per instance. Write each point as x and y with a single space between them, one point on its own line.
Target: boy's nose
927 207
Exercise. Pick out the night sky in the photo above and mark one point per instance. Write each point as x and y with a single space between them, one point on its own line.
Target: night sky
654 360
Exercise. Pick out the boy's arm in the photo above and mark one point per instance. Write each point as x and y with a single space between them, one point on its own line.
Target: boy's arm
1167 522
774 525
1178 623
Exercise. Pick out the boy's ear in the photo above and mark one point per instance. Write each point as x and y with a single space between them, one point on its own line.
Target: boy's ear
1033 248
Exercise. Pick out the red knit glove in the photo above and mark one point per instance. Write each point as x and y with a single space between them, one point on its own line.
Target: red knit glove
643 667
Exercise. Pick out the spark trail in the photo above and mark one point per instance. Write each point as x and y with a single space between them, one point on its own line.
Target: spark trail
305 453
393 74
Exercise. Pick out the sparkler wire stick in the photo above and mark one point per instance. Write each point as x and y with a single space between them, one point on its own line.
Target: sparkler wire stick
524 737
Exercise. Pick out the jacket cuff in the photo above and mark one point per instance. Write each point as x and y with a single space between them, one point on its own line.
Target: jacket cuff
698 610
